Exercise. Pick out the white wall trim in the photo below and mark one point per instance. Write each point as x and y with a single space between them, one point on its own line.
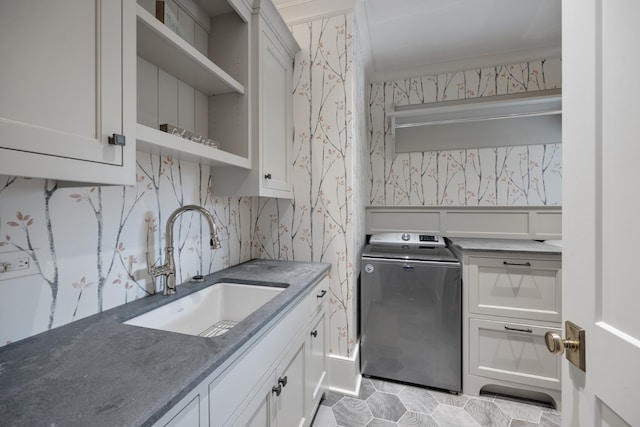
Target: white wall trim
506 222
363 38
300 11
344 373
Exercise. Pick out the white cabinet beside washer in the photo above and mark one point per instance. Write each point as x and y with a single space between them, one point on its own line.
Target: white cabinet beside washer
510 302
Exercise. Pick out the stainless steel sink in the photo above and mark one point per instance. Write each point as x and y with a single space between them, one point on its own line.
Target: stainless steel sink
209 312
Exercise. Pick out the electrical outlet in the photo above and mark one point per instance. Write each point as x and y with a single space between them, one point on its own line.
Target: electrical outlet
16 264
19 264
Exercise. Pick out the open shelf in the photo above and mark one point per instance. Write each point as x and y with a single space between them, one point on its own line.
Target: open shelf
504 120
529 104
156 141
164 48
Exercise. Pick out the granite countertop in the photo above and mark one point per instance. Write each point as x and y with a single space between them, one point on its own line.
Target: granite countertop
97 371
504 245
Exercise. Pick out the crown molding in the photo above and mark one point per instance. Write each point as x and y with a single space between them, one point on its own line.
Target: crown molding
300 11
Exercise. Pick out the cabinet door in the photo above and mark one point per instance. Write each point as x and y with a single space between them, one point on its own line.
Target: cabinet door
279 401
290 404
276 131
260 412
67 84
317 362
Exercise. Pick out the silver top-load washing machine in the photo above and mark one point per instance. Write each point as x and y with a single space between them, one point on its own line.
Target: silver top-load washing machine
411 311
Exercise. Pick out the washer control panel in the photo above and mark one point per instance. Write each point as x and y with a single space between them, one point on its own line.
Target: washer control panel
400 239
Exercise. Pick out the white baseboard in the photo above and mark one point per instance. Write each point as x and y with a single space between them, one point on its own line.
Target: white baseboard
344 373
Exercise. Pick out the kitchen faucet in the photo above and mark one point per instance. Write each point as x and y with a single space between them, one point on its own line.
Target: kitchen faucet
168 269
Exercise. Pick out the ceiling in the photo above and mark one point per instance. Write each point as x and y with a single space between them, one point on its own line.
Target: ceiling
417 37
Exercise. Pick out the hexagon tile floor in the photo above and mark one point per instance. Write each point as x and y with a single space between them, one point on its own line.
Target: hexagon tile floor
382 404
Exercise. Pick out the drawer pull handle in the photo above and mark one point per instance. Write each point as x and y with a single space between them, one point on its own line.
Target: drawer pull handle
527 330
321 294
277 389
524 264
283 381
408 267
314 333
117 139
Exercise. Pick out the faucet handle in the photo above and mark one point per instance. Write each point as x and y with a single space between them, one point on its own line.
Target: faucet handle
150 266
154 270
215 242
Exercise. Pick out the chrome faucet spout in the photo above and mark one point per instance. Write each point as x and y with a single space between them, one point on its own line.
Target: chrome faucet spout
168 269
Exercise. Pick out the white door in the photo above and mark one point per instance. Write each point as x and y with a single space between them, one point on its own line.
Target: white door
601 209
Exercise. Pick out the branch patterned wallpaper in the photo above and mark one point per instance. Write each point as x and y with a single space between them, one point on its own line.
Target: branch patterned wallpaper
325 220
500 176
89 244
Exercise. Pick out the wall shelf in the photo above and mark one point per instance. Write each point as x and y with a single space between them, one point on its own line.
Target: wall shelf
164 48
516 119
158 142
200 88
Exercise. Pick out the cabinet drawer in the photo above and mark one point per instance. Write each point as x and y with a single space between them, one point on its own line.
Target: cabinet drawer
513 352
318 295
521 288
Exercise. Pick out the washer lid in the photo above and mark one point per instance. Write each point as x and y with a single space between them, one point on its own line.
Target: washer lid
404 239
410 252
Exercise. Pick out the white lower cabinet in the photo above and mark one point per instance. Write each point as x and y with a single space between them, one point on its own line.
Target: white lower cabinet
276 380
280 398
510 302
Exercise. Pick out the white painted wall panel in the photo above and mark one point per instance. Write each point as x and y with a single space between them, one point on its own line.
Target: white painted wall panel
186 106
167 98
147 89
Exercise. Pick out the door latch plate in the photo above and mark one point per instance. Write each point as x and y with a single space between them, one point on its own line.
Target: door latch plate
575 352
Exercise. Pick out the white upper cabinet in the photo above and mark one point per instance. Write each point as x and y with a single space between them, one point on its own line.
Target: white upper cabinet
68 84
273 49
220 71
275 115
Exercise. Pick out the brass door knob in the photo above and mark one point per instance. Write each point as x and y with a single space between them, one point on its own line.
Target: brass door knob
575 344
556 345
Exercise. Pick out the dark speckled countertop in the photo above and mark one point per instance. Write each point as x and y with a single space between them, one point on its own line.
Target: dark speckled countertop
504 245
99 372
